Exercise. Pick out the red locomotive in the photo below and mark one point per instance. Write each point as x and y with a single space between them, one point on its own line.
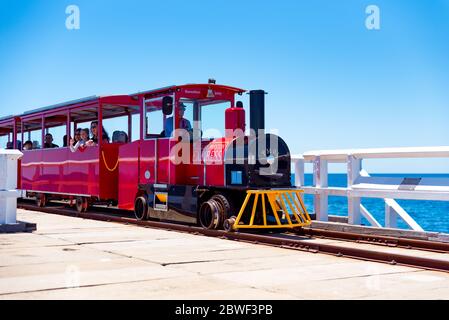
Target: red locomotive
172 171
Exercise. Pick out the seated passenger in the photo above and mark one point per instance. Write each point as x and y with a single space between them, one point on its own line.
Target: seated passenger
77 136
65 141
9 145
94 129
183 123
82 142
28 145
49 142
119 137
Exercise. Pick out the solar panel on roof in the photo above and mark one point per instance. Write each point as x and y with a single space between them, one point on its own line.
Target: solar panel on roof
154 90
7 118
63 104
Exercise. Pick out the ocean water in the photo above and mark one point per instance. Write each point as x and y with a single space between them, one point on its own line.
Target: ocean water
430 215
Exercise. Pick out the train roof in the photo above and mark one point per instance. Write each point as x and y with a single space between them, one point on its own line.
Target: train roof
62 104
115 105
189 85
7 118
6 124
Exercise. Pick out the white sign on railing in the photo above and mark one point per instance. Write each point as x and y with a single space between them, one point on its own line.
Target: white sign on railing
361 185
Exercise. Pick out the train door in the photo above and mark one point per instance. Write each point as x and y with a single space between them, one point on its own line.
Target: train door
155 151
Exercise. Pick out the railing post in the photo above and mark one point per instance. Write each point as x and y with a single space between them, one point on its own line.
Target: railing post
354 167
299 175
299 172
320 181
391 218
8 186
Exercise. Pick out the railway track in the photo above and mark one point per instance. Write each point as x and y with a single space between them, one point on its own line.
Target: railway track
405 243
300 240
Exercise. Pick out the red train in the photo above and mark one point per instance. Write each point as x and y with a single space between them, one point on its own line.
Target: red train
171 171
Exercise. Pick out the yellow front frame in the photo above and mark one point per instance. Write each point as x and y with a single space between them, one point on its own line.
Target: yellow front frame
278 200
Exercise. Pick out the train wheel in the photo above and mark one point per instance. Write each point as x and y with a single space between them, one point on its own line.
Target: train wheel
81 204
208 215
141 208
41 200
225 208
213 212
228 223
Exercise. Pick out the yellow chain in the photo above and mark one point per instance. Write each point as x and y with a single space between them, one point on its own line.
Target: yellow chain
106 165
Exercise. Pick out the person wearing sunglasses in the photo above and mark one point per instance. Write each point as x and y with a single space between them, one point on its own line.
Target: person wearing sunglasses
94 130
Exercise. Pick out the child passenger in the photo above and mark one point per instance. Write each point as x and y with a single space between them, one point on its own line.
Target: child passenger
82 142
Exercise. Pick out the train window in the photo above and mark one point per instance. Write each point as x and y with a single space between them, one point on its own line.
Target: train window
19 140
83 125
35 137
135 118
33 132
212 119
154 118
58 134
186 109
4 139
117 128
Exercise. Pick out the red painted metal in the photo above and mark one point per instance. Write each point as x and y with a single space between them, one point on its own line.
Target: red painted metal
14 136
147 164
130 131
109 171
61 171
84 172
195 91
68 127
129 174
214 155
22 133
100 125
234 120
163 161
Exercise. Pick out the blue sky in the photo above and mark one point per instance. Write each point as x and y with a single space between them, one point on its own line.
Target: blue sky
332 83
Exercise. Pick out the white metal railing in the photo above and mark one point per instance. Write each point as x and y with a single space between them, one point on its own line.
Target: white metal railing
361 185
8 186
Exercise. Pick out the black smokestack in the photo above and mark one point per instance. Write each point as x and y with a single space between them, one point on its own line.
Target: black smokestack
257 110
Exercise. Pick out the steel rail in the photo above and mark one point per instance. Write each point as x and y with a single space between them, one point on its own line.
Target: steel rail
279 240
406 243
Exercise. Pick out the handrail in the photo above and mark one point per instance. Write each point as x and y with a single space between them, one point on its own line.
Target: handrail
361 185
379 153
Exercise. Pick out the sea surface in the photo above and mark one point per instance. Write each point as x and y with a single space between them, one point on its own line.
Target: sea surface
430 215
